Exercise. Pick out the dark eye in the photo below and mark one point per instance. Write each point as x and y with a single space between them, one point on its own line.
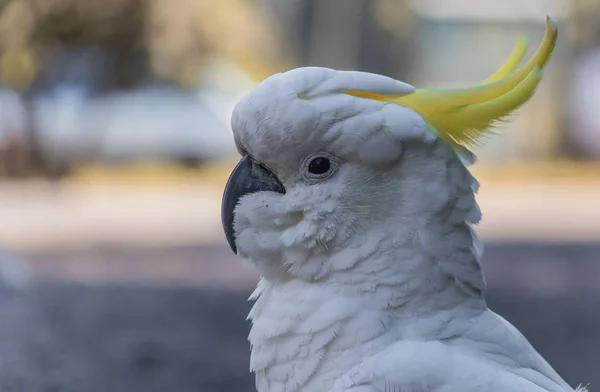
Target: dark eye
319 166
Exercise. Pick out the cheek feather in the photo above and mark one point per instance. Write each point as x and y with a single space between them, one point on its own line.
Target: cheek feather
283 228
303 234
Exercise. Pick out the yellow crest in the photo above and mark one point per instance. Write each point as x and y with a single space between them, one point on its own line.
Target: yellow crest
463 116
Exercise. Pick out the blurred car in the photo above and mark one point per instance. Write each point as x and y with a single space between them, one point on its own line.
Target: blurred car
154 123
77 117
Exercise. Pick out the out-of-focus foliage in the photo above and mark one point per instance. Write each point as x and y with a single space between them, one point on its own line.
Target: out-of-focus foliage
395 16
144 37
181 38
18 66
39 26
78 53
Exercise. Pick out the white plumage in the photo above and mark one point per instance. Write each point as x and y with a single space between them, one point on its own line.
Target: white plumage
371 275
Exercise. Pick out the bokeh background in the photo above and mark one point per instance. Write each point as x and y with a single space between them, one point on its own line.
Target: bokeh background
115 146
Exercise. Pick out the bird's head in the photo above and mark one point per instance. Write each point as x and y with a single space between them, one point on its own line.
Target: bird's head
335 161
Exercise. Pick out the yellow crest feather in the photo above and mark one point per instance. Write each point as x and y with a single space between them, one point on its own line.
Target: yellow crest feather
464 116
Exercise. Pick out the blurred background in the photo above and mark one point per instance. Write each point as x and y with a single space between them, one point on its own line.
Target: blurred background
115 146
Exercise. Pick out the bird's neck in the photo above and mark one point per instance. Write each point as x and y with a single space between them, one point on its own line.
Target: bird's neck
386 291
416 262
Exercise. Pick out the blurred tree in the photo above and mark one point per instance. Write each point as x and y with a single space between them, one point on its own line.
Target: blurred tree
182 38
295 18
374 35
137 40
389 35
395 16
18 66
175 40
32 30
335 39
39 26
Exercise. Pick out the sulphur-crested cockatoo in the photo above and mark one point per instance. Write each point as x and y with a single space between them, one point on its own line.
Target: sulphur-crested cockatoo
354 202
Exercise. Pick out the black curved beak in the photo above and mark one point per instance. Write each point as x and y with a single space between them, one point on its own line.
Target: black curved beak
247 177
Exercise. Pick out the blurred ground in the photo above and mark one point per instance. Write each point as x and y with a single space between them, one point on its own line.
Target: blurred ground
72 338
527 266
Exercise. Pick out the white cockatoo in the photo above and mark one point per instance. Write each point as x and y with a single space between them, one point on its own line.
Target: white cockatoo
354 202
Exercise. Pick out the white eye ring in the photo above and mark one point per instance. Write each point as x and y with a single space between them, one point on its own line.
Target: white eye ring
319 166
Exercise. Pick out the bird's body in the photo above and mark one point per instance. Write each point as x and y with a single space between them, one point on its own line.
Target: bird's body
339 343
355 204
